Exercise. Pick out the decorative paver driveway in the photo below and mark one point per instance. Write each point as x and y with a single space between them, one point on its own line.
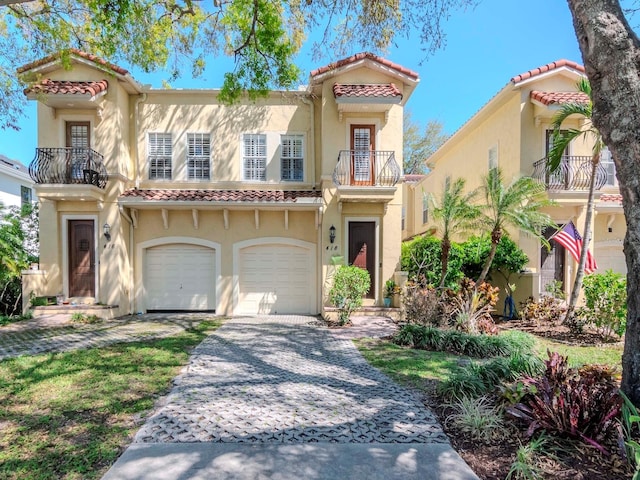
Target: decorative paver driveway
34 337
286 379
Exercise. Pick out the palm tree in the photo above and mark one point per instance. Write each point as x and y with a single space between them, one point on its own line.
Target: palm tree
517 205
454 213
561 140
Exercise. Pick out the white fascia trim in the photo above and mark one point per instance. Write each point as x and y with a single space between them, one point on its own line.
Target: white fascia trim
562 70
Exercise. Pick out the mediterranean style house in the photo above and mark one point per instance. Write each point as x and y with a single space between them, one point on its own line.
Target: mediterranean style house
168 199
513 131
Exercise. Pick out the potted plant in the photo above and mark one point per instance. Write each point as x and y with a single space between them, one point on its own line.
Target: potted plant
390 289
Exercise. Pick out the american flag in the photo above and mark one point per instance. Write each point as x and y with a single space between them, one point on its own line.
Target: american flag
570 239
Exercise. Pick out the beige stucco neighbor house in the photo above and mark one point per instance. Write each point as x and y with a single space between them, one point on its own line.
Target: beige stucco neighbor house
513 131
161 199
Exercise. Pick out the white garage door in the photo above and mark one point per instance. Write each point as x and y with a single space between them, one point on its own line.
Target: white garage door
276 279
180 277
610 258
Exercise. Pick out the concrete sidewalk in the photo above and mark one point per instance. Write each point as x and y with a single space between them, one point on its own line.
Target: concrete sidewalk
287 398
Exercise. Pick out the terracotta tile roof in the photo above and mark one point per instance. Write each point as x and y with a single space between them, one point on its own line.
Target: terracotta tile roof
362 56
366 90
272 196
546 68
78 53
413 178
60 87
550 98
611 197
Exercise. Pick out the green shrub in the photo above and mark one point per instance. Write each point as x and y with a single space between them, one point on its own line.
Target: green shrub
578 403
350 284
79 317
479 379
460 343
421 258
606 303
630 424
477 419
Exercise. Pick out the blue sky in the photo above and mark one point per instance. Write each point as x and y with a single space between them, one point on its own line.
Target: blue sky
486 46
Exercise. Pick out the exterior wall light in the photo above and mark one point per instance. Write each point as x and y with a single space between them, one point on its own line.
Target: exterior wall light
332 234
106 230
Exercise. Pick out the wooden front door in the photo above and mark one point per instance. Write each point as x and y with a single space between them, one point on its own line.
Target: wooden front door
78 143
551 262
82 262
362 250
362 154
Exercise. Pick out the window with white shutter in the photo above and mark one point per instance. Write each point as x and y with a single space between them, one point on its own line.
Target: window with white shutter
198 156
254 156
159 151
291 157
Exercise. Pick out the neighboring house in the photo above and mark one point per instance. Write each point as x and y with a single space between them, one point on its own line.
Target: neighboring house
16 186
513 131
415 214
160 199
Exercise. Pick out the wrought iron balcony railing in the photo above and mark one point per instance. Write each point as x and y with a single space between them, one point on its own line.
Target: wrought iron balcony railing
375 168
573 174
68 165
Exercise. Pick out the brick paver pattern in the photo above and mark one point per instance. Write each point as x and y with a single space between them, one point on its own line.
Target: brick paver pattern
286 379
17 340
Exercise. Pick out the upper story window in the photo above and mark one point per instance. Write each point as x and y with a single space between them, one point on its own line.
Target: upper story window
549 142
26 195
425 208
291 157
254 156
198 156
159 150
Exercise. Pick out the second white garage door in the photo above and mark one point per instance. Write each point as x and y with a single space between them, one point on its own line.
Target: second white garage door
180 277
276 279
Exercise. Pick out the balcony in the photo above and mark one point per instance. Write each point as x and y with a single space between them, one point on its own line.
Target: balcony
366 175
80 170
68 166
573 174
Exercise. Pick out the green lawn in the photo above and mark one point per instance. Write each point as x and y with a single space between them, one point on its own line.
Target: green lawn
69 415
422 369
605 355
415 368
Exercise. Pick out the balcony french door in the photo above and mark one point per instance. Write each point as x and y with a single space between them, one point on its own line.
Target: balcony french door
78 144
362 158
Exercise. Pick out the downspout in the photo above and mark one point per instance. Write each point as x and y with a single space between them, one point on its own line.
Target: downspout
139 100
312 139
131 257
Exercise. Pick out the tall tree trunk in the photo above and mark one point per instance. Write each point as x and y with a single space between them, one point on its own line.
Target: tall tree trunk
496 235
611 55
586 240
444 258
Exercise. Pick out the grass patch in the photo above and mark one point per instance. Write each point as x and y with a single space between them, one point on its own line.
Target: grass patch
413 368
68 415
578 355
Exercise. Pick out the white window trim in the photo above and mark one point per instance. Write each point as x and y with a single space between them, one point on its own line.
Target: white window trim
187 156
242 157
304 156
65 251
147 155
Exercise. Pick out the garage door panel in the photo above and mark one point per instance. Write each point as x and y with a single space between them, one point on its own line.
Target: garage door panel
276 279
180 277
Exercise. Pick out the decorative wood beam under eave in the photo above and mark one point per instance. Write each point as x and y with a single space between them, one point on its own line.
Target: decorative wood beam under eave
286 219
194 213
165 218
225 216
256 214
